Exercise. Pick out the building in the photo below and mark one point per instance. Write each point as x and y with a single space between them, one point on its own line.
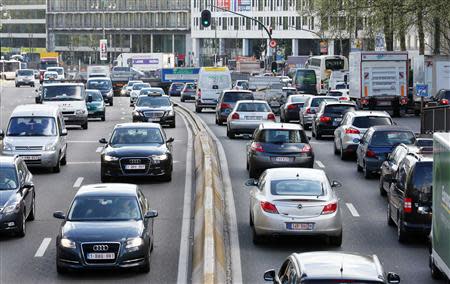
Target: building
23 28
75 28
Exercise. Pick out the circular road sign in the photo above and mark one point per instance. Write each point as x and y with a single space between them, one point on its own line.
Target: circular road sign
273 43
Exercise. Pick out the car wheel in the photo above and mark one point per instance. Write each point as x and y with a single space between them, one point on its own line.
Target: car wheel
17 86
85 125
111 103
435 272
366 172
172 125
335 240
32 86
252 172
318 135
60 269
257 239
390 222
167 177
22 228
103 117
313 134
32 214
230 134
64 159
401 234
198 109
57 168
381 186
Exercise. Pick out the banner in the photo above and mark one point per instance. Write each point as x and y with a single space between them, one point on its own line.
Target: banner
103 49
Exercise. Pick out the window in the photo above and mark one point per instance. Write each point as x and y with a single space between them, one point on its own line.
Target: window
281 136
297 187
8 178
31 126
369 121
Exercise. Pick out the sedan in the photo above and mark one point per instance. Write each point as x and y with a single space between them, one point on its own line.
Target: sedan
307 112
95 104
295 202
107 226
188 92
246 116
126 90
135 90
154 107
137 150
329 116
290 110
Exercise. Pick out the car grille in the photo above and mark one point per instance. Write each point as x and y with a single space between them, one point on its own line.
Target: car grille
68 112
108 248
134 161
26 148
153 114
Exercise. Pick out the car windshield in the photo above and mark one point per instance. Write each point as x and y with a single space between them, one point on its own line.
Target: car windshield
281 136
298 187
149 91
232 97
298 99
25 72
130 136
96 97
139 86
62 93
317 101
31 126
104 208
392 138
339 109
99 84
8 178
369 121
341 86
253 107
190 87
153 101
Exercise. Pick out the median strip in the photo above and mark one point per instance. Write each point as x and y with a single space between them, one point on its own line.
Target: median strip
43 247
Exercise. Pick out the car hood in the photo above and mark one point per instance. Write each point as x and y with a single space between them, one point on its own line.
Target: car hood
101 231
68 105
30 140
136 150
6 195
165 108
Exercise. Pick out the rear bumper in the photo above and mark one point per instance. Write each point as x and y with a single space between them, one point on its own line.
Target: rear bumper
244 127
417 228
205 104
374 165
326 129
292 115
44 159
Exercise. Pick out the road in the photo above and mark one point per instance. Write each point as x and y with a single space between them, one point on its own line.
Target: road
30 260
364 215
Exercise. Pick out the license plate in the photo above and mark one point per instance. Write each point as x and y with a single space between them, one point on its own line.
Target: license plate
101 256
282 159
300 226
30 158
253 117
383 103
135 167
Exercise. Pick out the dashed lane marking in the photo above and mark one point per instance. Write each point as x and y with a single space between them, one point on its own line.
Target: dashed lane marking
78 182
320 164
43 247
85 141
352 209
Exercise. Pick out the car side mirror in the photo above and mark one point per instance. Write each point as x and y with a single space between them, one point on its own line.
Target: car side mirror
2 134
269 275
27 185
336 184
36 90
103 141
251 182
393 277
151 214
59 215
170 140
64 132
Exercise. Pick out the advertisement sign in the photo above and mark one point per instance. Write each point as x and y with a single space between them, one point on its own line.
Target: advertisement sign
323 47
103 49
235 5
169 75
225 4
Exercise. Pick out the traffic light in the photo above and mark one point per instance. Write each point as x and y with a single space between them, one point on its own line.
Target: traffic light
274 67
206 18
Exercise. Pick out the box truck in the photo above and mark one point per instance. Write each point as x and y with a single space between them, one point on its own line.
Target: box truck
146 62
379 80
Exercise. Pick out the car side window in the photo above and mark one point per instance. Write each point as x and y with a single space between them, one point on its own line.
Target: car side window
142 201
22 169
284 272
399 155
401 179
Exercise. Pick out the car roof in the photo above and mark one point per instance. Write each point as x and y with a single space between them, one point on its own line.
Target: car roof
105 189
99 78
339 265
322 97
252 101
66 84
138 125
369 113
390 127
237 91
283 126
35 110
152 89
7 160
303 173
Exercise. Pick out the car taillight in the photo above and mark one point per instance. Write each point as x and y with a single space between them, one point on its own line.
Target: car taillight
271 116
329 208
199 93
444 102
364 101
257 147
351 131
225 106
269 207
325 119
407 205
403 101
370 154
343 99
306 149
308 110
235 115
291 107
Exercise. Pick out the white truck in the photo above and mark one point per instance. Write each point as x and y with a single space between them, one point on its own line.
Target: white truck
146 62
440 230
379 80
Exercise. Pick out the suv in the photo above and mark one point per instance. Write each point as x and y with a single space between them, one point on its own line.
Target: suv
25 77
329 116
154 107
410 196
227 101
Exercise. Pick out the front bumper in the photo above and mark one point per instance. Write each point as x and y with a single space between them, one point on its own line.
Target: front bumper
161 120
326 129
45 159
96 113
267 161
152 168
9 222
417 228
25 82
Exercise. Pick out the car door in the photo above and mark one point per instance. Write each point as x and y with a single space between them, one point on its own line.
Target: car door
340 129
27 193
397 192
148 223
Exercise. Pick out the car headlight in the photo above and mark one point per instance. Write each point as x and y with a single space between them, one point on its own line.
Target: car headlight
80 111
171 113
160 157
50 147
109 94
134 242
7 146
11 208
66 243
137 113
109 158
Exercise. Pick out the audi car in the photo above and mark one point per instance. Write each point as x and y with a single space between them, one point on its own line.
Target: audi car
154 107
106 226
137 150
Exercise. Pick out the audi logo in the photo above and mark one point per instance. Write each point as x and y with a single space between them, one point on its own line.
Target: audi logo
134 161
100 248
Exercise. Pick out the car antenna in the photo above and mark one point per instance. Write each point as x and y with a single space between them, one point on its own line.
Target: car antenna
298 175
342 266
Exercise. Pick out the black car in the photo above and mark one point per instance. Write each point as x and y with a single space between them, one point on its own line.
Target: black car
329 116
291 108
104 85
154 107
107 226
442 97
17 195
227 101
277 145
331 267
175 89
137 149
410 196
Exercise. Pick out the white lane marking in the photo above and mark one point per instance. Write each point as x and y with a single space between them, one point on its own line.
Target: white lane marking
99 149
183 260
78 182
124 112
320 164
43 247
352 209
122 118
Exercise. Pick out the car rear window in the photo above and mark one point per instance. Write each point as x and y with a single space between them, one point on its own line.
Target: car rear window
25 72
317 101
339 109
392 138
295 99
299 187
369 121
281 136
253 107
232 97
177 87
423 179
424 143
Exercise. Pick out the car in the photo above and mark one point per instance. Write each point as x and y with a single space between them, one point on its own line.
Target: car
306 114
328 117
154 107
137 150
126 89
135 90
286 92
50 76
442 97
377 143
241 85
104 85
175 89
95 104
227 101
342 95
36 73
18 195
24 77
38 135
331 267
59 70
291 108
188 92
246 116
295 202
277 145
107 226
410 196
424 142
353 126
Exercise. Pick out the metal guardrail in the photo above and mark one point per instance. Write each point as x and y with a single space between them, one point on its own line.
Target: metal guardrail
435 119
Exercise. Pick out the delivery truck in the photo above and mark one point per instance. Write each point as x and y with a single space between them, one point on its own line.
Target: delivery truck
379 80
440 229
146 62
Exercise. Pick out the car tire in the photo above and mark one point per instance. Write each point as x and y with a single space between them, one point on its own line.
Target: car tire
198 109
32 214
380 186
389 220
435 272
85 125
367 173
335 240
145 268
32 86
64 159
343 154
103 117
167 177
230 134
111 103
57 168
22 228
252 172
318 135
401 233
250 219
17 86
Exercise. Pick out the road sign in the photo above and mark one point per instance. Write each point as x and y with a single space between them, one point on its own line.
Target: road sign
422 90
169 75
273 43
103 49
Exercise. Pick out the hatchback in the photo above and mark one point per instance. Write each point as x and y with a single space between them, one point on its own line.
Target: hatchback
306 114
227 101
24 77
175 89
291 108
188 92
329 116
95 104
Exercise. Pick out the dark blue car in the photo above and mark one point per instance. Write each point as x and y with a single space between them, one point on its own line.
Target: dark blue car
377 143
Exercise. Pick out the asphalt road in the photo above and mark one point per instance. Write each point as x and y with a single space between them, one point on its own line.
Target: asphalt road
18 260
365 227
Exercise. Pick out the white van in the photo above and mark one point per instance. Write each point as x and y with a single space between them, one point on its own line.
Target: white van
211 82
323 65
60 71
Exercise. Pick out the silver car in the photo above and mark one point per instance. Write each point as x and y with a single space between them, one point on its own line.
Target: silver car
246 116
295 201
309 109
353 126
135 90
25 77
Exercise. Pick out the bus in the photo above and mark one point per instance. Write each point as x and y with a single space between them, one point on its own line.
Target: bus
323 65
8 69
